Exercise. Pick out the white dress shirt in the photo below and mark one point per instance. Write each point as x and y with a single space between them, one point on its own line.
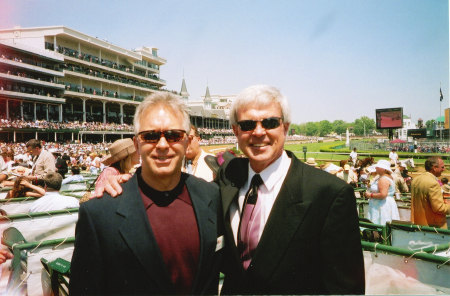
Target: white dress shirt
273 177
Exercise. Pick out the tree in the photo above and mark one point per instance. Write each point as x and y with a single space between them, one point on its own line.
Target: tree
325 128
430 123
339 126
312 128
363 124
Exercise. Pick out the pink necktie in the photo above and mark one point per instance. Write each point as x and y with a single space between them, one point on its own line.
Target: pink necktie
249 226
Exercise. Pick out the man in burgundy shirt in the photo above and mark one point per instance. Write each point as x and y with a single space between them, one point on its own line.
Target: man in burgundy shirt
162 235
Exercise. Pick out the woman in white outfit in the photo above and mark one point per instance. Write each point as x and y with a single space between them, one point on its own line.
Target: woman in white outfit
382 205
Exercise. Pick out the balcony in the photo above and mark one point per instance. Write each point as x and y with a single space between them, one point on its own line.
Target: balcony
31 80
18 64
106 78
76 90
31 96
93 61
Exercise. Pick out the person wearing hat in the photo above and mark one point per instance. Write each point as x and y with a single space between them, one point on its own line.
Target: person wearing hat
348 175
382 205
445 186
121 159
400 183
311 161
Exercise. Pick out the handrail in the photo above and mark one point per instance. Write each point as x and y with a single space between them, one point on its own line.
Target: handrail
405 252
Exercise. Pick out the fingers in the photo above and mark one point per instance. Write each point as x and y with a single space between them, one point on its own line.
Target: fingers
5 255
110 190
98 192
116 186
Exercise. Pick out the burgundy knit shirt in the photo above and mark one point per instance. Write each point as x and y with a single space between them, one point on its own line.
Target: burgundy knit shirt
174 225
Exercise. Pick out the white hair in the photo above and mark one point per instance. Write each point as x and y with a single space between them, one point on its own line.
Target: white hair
163 99
260 95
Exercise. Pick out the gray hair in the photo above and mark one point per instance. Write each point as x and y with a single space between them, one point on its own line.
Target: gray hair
431 162
260 95
162 99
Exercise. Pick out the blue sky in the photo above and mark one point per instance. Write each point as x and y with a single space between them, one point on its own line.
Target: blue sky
335 59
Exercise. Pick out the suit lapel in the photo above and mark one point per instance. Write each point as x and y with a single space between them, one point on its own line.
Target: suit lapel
137 234
207 228
286 216
236 174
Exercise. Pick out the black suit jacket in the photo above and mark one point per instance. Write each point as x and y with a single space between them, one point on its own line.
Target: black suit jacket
310 243
116 251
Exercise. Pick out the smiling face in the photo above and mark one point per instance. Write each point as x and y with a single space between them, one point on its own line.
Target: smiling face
161 161
262 146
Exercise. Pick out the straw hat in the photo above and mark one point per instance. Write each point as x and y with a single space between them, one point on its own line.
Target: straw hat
446 189
331 168
311 161
119 150
384 164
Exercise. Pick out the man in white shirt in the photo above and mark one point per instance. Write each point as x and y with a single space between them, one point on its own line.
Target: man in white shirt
354 156
287 243
393 156
194 162
52 200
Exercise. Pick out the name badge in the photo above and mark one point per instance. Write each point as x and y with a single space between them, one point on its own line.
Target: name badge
220 243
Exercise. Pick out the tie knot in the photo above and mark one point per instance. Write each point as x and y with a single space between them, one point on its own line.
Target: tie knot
256 181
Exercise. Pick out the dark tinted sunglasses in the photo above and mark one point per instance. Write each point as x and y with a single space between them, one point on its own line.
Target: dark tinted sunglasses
267 123
153 136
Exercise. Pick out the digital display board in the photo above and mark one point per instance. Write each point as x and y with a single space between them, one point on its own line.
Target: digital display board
417 133
389 118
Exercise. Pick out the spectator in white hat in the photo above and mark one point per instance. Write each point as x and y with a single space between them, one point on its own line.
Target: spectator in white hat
382 205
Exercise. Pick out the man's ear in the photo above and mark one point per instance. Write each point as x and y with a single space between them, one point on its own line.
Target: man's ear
286 127
136 145
235 129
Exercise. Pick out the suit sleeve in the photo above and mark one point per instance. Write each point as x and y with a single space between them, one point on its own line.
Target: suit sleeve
437 201
86 267
341 245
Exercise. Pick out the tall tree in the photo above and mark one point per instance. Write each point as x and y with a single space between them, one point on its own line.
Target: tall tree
325 128
363 124
340 126
312 128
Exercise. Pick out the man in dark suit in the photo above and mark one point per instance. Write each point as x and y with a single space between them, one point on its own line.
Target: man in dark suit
304 237
162 236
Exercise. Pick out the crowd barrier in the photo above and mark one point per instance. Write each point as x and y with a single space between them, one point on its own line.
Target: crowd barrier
403 258
393 270
42 226
25 274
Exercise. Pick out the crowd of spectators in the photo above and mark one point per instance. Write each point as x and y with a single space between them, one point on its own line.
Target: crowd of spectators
75 125
424 148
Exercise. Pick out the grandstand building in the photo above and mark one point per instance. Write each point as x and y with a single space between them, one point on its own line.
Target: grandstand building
58 84
58 74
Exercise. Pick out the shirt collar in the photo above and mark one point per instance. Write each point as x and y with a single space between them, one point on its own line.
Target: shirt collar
273 173
160 198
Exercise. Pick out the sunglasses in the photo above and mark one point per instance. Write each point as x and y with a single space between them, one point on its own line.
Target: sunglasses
267 123
171 136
